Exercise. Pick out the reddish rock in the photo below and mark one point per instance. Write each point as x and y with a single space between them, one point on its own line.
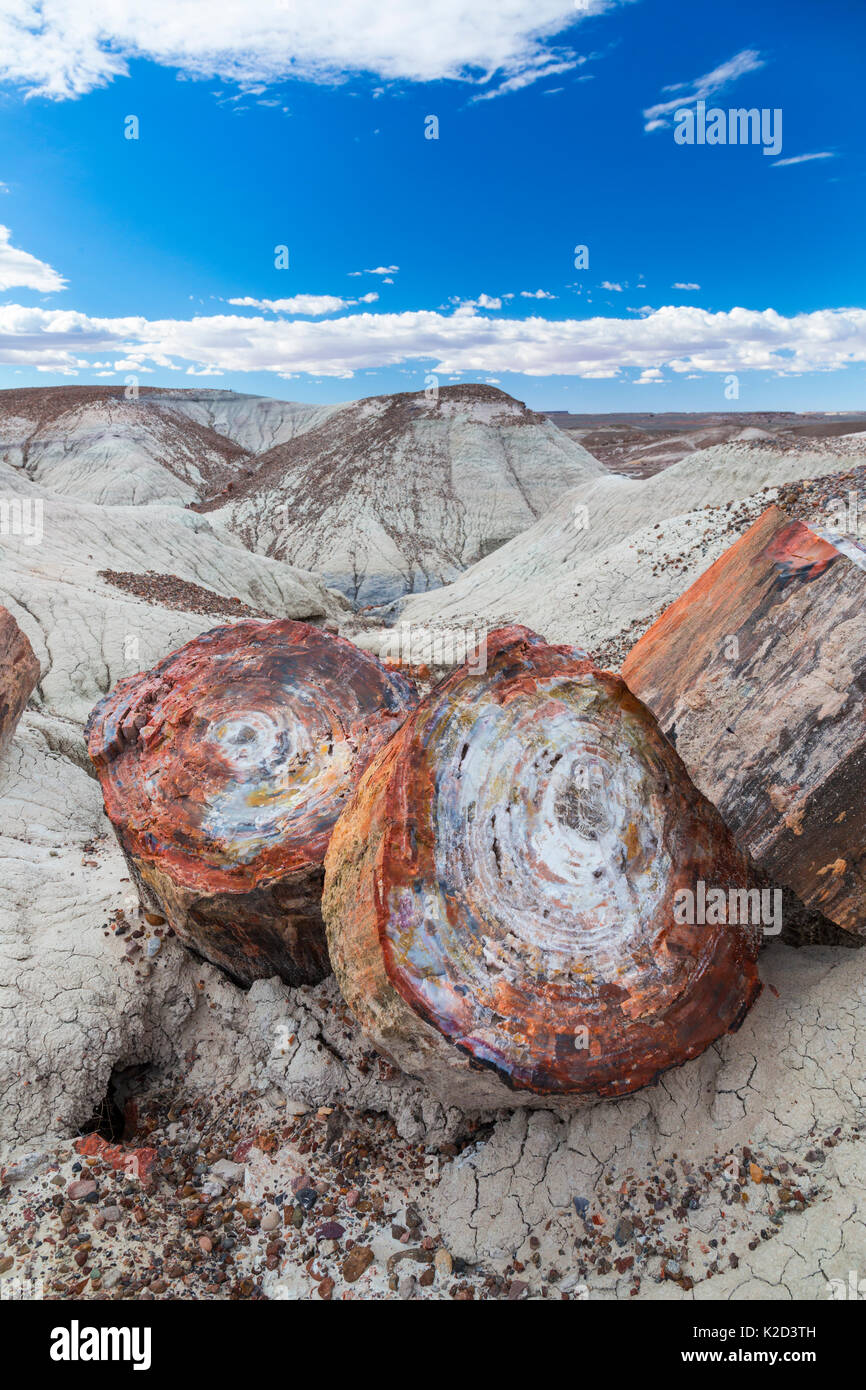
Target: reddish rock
500 891
223 771
757 674
19 672
134 1162
359 1258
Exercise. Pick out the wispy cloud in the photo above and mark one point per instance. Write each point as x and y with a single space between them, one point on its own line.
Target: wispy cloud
386 272
684 285
801 159
534 72
702 88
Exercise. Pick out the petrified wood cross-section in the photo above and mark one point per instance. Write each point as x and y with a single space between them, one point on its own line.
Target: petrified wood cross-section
758 674
500 890
19 672
223 771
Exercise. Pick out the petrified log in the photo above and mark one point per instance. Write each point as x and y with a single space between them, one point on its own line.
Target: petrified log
500 890
757 674
19 672
223 771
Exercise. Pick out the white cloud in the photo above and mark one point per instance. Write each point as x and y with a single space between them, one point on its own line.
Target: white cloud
609 285
310 304
20 270
801 159
682 338
684 285
484 301
64 48
702 88
533 72
534 294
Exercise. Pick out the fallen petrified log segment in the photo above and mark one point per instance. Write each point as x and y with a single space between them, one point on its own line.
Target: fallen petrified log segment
757 673
19 672
500 891
223 771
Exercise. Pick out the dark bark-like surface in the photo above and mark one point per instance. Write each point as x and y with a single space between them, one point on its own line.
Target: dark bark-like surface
500 891
223 771
19 672
757 674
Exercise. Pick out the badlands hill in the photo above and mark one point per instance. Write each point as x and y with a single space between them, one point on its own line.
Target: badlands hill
94 444
614 551
104 591
399 494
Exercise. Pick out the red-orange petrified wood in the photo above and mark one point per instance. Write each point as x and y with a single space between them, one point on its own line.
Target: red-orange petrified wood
501 890
223 771
757 673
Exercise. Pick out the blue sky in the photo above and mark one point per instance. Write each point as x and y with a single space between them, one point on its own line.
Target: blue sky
122 256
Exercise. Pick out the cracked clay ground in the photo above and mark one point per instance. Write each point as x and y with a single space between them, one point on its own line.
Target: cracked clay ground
738 1176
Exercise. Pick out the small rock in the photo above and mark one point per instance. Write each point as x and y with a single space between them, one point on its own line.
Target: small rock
82 1189
413 1252
406 1286
25 1167
228 1171
270 1221
624 1231
443 1263
359 1258
330 1230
